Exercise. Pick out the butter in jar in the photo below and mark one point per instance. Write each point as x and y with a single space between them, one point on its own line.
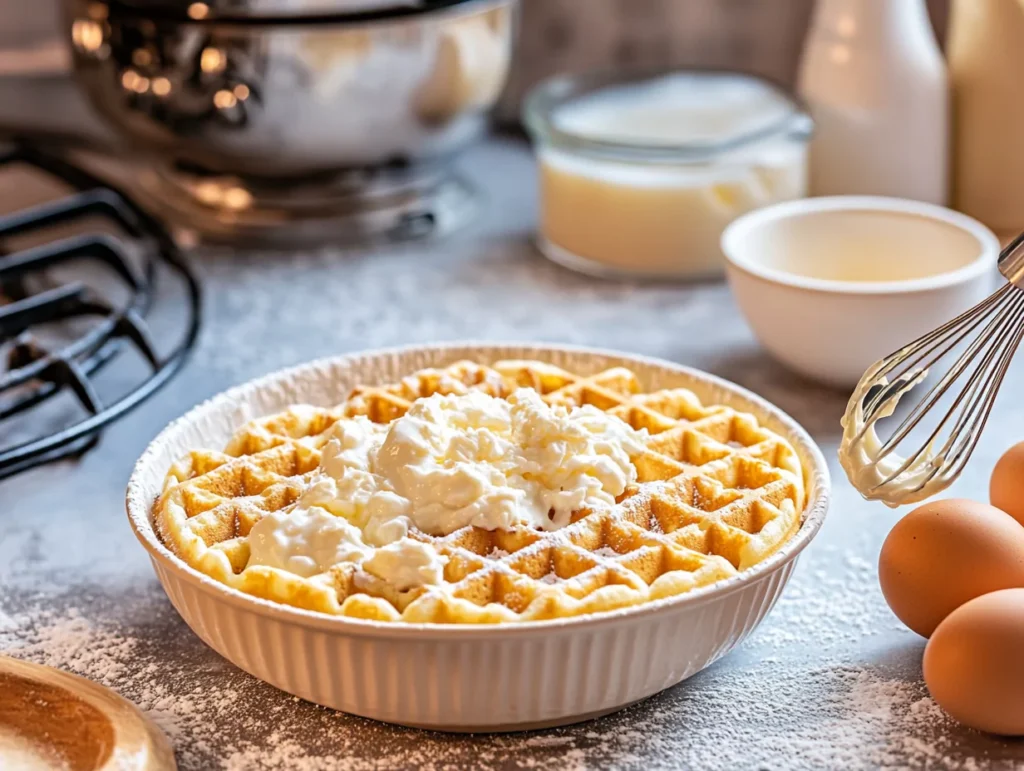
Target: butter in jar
639 177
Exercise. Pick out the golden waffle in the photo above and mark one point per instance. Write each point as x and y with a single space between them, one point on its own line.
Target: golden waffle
716 494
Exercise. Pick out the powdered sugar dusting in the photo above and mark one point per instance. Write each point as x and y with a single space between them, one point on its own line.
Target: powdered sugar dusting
829 681
759 709
7 623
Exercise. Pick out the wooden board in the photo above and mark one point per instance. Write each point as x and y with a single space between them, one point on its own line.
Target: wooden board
53 720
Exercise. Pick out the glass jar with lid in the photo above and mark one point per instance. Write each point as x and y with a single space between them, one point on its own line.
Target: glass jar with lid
639 175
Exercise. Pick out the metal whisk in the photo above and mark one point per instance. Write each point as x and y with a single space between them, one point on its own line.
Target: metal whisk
997 327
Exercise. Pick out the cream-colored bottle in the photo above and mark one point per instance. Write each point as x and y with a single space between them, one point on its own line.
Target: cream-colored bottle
875 82
986 64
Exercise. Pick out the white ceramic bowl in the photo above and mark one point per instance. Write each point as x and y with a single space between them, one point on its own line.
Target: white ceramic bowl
831 285
497 677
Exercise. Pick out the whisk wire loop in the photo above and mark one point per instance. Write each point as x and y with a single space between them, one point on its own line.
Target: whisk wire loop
973 404
951 376
936 340
984 340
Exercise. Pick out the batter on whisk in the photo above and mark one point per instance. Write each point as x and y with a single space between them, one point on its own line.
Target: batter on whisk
877 476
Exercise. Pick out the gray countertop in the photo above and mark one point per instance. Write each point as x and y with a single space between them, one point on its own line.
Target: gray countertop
830 680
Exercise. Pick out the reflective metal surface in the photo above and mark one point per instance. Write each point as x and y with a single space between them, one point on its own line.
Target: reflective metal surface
1011 261
348 11
281 101
968 357
297 132
377 206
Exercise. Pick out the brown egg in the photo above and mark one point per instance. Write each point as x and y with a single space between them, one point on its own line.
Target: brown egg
943 554
1006 490
973 664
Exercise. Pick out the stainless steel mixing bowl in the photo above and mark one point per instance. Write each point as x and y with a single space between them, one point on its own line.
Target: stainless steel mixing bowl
223 89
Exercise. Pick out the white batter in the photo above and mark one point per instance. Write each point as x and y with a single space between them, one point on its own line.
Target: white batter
859 452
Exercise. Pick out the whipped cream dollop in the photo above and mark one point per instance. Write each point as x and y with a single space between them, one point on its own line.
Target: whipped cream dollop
305 541
449 462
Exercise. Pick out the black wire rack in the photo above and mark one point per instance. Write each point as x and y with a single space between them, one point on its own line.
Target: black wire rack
36 370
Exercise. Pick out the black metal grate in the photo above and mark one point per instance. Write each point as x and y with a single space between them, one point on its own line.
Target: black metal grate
37 370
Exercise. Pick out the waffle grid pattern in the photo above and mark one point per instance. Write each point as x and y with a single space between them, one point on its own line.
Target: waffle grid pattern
716 494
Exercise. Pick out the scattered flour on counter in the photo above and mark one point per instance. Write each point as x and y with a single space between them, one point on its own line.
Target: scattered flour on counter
7 623
67 641
865 721
499 292
286 753
830 608
548 741
762 711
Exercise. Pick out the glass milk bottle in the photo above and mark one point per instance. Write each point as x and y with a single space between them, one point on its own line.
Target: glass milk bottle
875 82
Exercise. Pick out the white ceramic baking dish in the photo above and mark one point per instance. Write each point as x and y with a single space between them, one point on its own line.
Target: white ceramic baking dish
458 678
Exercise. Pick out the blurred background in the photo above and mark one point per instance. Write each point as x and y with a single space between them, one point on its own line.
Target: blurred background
632 134
764 38
579 35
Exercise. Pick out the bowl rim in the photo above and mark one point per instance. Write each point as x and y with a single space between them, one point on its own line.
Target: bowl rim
741 229
139 508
